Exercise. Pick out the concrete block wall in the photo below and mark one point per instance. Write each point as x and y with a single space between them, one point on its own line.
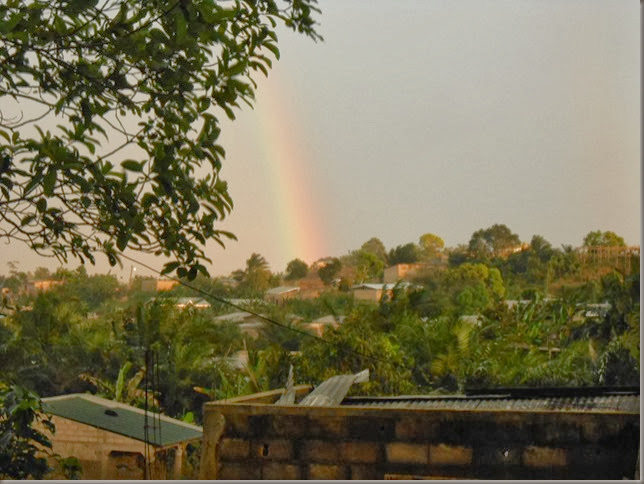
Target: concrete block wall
263 441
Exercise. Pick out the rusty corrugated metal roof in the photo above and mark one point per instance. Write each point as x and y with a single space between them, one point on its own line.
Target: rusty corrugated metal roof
598 403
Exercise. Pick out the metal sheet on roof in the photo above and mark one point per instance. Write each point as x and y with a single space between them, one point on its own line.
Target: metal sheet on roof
121 419
616 403
332 391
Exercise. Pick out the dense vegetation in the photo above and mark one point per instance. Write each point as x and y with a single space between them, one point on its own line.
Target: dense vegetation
475 317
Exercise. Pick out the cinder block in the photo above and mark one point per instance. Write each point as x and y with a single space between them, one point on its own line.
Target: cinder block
291 426
274 449
365 473
416 429
236 471
320 451
558 432
360 452
237 425
596 430
326 472
401 452
233 449
364 428
453 430
443 454
534 456
259 425
280 471
502 455
328 427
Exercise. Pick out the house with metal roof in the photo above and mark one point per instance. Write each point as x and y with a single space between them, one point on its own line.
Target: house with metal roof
373 292
400 272
195 302
281 293
319 325
248 323
113 440
301 432
184 302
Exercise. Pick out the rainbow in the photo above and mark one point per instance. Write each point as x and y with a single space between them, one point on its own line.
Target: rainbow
299 222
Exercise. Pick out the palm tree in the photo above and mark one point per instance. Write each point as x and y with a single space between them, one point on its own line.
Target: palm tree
257 275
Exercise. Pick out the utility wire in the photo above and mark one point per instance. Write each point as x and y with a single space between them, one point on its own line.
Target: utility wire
261 316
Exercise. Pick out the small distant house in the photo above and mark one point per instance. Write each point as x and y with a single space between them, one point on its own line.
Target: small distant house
513 249
165 284
148 284
281 293
318 326
46 285
195 302
111 439
248 323
246 302
399 272
374 292
311 286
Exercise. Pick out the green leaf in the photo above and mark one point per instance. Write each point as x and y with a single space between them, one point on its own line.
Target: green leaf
170 267
132 165
273 48
49 182
26 219
237 68
41 205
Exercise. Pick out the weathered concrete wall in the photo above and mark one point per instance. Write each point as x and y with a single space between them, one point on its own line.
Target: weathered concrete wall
263 441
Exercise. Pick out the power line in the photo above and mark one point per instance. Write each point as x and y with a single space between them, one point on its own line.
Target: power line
263 317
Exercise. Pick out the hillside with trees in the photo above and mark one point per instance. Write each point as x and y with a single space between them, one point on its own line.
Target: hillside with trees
494 312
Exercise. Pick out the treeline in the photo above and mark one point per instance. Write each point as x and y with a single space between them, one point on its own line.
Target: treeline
494 312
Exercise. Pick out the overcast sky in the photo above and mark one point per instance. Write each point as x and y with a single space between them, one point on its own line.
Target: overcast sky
435 116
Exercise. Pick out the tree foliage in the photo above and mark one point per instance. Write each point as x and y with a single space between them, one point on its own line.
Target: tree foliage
404 254
597 237
257 276
430 246
329 270
296 269
110 120
492 242
369 266
20 442
375 246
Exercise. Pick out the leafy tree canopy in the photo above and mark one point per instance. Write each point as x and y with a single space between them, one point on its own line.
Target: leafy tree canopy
296 269
404 254
375 246
430 245
257 276
493 241
331 269
598 237
110 120
369 265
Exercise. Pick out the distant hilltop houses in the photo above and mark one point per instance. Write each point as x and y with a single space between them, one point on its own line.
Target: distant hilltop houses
310 286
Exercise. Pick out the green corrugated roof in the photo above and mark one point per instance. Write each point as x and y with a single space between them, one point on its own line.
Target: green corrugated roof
128 421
